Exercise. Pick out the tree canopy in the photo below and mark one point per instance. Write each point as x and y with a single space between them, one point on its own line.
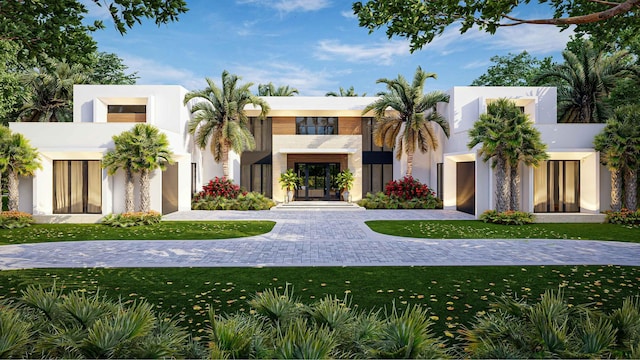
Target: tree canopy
421 20
59 29
513 70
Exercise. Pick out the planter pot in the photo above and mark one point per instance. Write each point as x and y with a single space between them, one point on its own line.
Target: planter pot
290 196
345 196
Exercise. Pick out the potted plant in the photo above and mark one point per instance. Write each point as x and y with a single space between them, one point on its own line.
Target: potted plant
344 180
289 181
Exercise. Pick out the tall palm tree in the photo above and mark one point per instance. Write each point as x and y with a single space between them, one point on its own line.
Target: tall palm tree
5 134
508 138
271 90
411 127
619 146
50 92
586 79
152 152
219 119
21 160
121 157
350 92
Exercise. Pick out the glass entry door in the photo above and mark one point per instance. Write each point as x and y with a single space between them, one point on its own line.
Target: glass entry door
318 181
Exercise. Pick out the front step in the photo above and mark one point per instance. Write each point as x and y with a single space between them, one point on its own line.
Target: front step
318 206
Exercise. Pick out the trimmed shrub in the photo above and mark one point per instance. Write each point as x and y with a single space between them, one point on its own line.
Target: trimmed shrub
380 200
623 217
407 188
248 201
132 219
219 187
15 219
507 217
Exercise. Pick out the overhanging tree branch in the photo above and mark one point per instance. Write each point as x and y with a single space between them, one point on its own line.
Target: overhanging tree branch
618 9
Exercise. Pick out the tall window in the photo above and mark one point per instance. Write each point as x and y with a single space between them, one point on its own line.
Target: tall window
377 162
126 113
77 187
557 186
316 125
255 169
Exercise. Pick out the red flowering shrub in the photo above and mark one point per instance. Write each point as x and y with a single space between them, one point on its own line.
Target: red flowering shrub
408 188
219 187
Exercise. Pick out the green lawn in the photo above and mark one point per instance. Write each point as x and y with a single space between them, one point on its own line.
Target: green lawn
475 229
184 230
454 294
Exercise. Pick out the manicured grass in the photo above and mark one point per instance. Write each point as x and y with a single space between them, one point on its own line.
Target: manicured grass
165 230
475 229
453 294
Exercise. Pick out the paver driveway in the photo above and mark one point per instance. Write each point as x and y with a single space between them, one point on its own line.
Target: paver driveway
317 238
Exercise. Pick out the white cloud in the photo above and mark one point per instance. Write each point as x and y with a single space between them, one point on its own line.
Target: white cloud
477 64
348 14
536 39
152 72
380 53
308 82
287 6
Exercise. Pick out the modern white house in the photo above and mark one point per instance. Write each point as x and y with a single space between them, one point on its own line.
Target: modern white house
315 136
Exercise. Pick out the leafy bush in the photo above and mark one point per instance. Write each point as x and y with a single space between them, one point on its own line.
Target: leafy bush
248 201
219 187
132 219
15 219
623 217
380 200
507 217
408 188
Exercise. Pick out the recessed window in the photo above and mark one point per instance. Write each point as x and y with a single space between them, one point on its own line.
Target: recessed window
126 113
317 126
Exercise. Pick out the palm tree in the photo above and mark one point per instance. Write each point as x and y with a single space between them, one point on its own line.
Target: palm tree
586 79
508 138
139 150
619 147
5 134
121 157
349 92
50 92
152 153
219 118
411 127
21 160
270 90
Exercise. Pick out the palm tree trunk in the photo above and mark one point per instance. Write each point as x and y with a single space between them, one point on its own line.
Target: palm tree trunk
14 196
502 185
409 163
631 188
128 191
515 187
616 189
145 195
225 161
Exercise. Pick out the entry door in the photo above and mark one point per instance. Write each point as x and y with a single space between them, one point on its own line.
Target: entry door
318 181
466 187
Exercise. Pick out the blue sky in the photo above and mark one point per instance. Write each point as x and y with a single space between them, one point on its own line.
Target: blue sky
315 46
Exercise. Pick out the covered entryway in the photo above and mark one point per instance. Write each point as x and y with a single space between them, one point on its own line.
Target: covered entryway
318 181
466 187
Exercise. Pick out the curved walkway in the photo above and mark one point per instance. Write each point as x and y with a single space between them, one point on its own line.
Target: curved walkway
317 238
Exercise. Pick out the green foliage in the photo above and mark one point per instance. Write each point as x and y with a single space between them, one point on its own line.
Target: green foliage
247 201
624 217
345 179
59 30
507 217
132 219
416 111
15 220
350 92
548 328
421 21
219 187
512 70
289 180
15 332
79 325
380 200
108 69
585 81
271 90
277 308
